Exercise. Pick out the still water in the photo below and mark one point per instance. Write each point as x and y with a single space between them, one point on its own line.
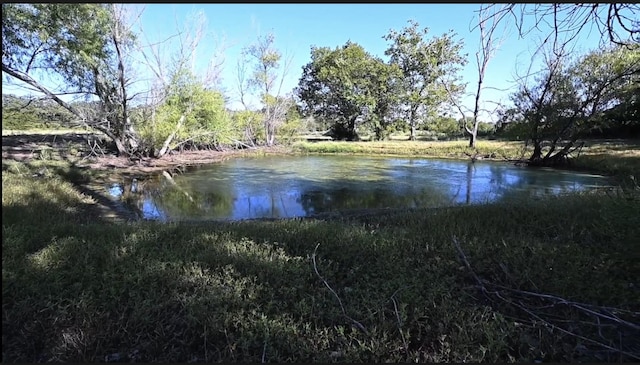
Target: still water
293 186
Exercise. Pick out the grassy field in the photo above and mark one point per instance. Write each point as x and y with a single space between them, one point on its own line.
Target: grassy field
442 149
546 280
611 157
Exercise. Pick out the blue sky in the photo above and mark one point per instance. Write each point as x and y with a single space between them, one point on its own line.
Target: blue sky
299 26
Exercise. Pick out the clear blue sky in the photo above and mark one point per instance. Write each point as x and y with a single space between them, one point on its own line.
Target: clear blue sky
299 26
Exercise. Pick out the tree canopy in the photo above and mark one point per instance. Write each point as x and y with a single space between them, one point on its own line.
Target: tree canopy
568 99
424 64
342 85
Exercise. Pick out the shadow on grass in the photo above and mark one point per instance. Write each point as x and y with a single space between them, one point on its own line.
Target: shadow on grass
615 144
622 167
136 293
248 291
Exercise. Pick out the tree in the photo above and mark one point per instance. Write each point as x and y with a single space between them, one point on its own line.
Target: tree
424 65
183 107
445 125
83 45
190 115
267 79
617 22
385 88
486 50
342 86
567 97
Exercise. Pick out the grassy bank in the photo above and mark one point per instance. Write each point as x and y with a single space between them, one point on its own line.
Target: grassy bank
441 149
619 158
391 287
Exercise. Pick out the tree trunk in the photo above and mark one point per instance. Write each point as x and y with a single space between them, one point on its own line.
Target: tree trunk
536 157
353 133
472 140
412 137
267 132
120 147
473 135
167 142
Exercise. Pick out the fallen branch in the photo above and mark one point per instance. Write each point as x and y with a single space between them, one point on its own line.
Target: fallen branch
553 326
344 312
466 263
395 308
600 313
581 306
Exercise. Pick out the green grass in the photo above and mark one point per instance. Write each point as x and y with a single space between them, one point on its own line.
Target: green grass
47 131
442 149
79 288
620 158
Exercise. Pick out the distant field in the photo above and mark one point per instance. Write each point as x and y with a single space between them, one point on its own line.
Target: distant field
450 149
13 132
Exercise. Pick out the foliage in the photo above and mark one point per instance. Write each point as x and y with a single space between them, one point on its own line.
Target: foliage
23 113
486 129
342 86
567 99
267 68
292 126
249 126
84 46
447 125
190 115
69 39
424 64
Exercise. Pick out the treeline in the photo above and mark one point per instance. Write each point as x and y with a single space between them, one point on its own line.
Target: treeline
98 56
593 95
21 113
344 91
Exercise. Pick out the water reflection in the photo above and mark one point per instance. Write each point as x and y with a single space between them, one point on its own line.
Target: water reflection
278 187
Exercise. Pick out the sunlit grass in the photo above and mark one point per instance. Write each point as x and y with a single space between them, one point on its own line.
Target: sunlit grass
619 158
78 288
442 149
48 132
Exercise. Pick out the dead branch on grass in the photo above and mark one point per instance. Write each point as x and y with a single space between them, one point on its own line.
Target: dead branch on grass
344 312
601 316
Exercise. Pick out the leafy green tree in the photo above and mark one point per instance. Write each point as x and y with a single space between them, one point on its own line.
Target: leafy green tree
623 119
568 98
83 44
267 77
190 114
486 129
293 124
425 65
343 86
249 127
446 125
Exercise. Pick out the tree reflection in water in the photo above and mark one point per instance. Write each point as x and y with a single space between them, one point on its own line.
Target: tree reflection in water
290 186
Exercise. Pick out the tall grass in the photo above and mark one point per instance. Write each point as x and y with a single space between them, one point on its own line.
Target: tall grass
620 158
443 149
370 288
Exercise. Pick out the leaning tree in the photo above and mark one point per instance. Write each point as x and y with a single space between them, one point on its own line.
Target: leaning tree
82 48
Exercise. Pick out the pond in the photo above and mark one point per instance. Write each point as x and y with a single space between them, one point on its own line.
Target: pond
295 186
